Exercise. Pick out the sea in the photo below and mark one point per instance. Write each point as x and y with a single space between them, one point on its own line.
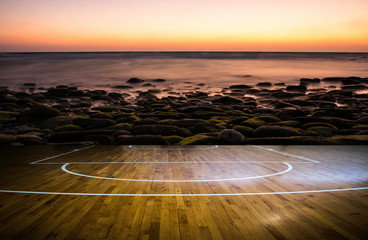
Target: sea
183 71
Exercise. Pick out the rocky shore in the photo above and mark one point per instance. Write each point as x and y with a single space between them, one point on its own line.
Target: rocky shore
240 114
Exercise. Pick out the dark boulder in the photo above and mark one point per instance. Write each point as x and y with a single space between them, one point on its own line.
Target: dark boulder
91 123
230 136
135 80
275 131
227 100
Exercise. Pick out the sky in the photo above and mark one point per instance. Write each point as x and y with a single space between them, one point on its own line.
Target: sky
190 25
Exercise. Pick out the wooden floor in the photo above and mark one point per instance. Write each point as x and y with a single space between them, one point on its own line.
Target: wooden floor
198 192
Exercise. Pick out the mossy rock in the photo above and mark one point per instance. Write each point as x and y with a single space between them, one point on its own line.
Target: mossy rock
186 123
101 115
231 136
174 139
323 131
351 139
360 127
199 139
7 138
141 140
120 126
253 123
318 124
269 119
122 115
207 114
146 121
246 131
57 121
38 112
205 127
68 128
275 131
100 139
289 123
39 134
91 123
28 139
107 108
294 140
333 112
6 116
164 130
238 120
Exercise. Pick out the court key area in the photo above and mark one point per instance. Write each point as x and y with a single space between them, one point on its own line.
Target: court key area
189 192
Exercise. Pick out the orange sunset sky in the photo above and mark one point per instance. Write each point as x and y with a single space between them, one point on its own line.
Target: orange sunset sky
191 25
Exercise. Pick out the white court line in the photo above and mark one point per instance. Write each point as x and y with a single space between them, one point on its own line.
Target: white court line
59 155
273 150
182 195
183 162
171 149
290 167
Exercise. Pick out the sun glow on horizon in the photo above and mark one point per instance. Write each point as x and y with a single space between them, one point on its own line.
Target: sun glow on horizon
217 25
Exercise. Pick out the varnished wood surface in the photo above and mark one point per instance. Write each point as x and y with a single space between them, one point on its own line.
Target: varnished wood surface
317 215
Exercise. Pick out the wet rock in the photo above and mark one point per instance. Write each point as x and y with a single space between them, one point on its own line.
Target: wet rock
135 80
323 131
141 140
290 113
7 138
290 123
296 88
269 119
147 85
7 116
206 127
281 95
186 123
307 81
120 126
30 140
100 139
38 112
351 139
319 124
107 108
164 130
207 114
122 87
264 84
227 100
91 123
174 139
295 140
333 79
333 112
230 136
360 127
242 86
104 115
66 128
239 120
362 120
145 122
159 80
57 121
354 87
275 131
350 81
245 131
199 139
253 123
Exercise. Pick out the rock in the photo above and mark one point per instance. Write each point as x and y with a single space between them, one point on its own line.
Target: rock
290 113
91 123
7 138
173 139
186 123
351 139
58 121
269 119
135 80
38 112
318 124
333 112
100 139
323 131
264 84
30 140
230 136
164 130
159 80
309 81
360 127
349 81
227 100
253 123
240 86
7 117
290 123
296 88
333 79
354 87
362 120
207 114
281 95
295 140
66 128
206 127
120 126
144 122
238 120
103 115
275 131
122 87
199 139
141 140
245 131
107 108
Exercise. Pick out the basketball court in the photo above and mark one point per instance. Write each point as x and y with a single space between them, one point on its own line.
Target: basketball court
191 192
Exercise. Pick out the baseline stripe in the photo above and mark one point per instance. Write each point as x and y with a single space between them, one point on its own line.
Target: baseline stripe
183 195
62 154
273 150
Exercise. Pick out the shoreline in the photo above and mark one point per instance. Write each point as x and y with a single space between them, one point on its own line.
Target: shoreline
265 113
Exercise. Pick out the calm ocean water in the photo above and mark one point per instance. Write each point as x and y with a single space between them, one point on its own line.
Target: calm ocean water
182 70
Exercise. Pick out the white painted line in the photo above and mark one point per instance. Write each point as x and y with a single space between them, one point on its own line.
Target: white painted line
172 149
272 150
290 167
182 162
59 155
183 195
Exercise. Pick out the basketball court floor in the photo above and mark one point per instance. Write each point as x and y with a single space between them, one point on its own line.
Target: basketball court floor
191 192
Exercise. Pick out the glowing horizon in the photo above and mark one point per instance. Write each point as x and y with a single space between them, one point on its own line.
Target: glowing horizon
164 25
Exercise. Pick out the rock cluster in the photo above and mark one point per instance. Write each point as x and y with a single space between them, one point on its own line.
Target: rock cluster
293 114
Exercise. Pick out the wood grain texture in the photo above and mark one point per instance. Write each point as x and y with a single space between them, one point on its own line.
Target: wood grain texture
318 215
